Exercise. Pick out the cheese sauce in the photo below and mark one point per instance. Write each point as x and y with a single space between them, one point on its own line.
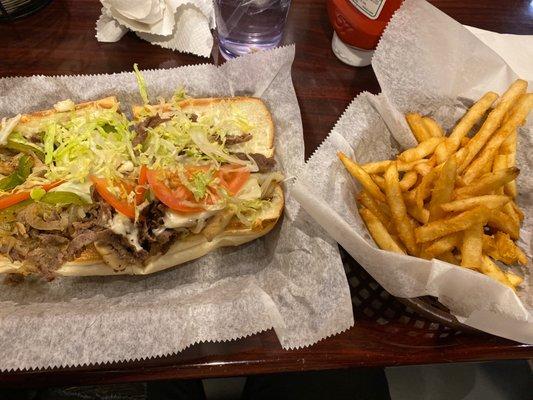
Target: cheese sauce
122 225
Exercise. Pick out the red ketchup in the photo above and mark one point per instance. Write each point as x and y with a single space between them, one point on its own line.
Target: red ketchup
358 26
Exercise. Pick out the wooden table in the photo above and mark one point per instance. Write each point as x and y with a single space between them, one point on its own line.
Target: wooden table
60 40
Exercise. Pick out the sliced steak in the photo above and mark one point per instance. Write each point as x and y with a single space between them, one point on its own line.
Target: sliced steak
236 139
151 220
96 216
163 241
142 128
78 244
265 164
47 257
117 252
15 249
41 217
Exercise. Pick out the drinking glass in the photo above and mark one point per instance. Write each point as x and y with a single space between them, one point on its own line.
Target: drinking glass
246 26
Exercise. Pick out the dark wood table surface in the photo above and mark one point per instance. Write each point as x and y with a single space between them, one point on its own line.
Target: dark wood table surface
60 40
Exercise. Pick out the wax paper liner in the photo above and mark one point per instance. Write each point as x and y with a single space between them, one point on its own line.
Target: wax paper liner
292 279
438 75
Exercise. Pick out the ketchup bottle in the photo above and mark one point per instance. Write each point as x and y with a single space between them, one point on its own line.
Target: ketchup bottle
358 26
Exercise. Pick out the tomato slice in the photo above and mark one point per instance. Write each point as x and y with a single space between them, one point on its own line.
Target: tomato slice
233 177
121 203
15 198
140 189
173 198
179 198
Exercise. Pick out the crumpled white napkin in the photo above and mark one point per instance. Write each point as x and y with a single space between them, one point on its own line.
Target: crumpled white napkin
183 25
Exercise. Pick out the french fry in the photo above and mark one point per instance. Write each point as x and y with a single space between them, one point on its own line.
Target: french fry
488 183
487 153
378 232
518 211
442 227
379 209
491 201
460 155
417 127
403 167
408 180
514 279
505 250
398 210
362 176
423 190
448 257
433 127
464 141
441 151
493 271
419 214
499 163
423 168
493 121
489 244
444 244
409 198
380 181
501 221
442 193
472 116
509 210
472 246
377 167
424 149
509 148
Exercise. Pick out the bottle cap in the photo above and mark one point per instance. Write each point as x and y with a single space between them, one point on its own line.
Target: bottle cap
350 55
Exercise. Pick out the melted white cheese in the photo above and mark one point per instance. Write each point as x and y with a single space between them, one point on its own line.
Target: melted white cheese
250 191
81 189
173 219
122 225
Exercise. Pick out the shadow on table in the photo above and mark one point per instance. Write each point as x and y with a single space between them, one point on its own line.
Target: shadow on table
353 384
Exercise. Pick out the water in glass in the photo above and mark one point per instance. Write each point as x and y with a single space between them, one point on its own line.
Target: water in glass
245 26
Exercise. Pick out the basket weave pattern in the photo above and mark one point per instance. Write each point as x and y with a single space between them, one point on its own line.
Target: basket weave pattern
424 318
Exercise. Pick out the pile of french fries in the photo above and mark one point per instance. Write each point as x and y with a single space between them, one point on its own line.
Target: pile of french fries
452 197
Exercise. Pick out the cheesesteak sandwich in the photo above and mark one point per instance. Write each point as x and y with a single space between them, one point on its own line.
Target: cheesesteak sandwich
84 191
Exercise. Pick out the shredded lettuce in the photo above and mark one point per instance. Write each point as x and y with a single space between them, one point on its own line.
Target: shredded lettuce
97 142
141 83
212 149
179 95
248 210
198 183
48 141
201 139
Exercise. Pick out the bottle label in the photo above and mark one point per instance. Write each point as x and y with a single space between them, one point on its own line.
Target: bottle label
370 8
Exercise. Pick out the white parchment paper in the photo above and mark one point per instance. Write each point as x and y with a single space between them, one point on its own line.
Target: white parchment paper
428 63
292 279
